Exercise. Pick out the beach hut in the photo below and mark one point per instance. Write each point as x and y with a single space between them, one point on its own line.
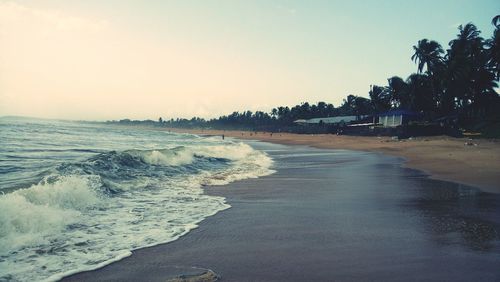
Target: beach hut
397 117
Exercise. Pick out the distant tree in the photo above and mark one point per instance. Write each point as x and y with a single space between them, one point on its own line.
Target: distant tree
321 109
348 106
362 106
355 105
274 113
331 110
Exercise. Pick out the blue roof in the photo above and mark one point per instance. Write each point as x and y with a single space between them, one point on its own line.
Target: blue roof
399 112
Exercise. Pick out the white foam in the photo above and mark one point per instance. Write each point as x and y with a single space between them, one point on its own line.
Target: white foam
249 163
27 216
64 225
168 157
66 192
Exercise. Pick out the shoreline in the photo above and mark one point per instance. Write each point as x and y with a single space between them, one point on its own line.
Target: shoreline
329 215
470 162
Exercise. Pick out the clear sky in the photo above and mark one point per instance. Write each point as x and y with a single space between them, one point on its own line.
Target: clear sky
96 59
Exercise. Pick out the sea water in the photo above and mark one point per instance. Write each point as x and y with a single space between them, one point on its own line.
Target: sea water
76 196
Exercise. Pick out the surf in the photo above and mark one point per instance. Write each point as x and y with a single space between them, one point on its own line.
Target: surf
97 204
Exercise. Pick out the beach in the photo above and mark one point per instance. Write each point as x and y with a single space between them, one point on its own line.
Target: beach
201 141
331 215
474 162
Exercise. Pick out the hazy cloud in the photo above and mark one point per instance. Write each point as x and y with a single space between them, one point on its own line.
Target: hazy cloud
16 15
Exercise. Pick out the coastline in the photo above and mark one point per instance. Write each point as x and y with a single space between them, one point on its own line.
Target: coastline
330 215
469 162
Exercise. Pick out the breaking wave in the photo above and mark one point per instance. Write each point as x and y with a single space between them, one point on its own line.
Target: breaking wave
89 213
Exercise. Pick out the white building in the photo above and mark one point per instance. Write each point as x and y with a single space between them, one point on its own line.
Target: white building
396 118
330 120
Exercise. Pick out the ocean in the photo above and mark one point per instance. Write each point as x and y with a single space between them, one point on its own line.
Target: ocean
77 196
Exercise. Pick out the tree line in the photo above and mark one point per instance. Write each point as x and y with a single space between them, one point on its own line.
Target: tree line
458 81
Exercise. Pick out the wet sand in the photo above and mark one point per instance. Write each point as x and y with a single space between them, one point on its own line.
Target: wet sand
332 215
472 162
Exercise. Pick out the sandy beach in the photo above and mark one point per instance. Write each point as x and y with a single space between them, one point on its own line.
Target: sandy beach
471 162
331 215
203 141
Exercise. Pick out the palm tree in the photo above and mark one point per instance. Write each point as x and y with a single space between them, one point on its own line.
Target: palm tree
427 53
331 110
496 21
398 92
465 58
274 113
493 45
467 33
380 98
348 106
483 89
321 109
419 91
362 106
304 110
473 70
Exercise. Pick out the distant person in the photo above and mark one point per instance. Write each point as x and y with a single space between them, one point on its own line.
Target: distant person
222 136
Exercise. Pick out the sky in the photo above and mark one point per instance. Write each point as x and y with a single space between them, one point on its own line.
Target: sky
101 60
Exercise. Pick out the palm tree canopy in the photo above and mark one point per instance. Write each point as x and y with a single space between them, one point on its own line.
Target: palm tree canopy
397 88
427 53
493 45
496 21
380 98
467 42
468 32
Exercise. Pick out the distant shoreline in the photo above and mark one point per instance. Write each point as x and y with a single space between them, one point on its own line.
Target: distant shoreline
470 162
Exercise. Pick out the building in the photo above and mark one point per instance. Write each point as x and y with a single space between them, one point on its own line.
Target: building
339 120
395 118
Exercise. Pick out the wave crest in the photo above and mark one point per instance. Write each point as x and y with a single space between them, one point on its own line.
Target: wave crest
28 215
91 212
168 157
65 192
